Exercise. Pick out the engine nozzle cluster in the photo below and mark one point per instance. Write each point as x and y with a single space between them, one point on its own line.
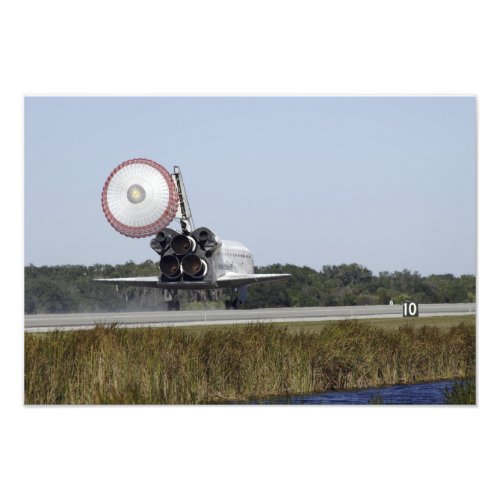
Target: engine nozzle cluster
184 257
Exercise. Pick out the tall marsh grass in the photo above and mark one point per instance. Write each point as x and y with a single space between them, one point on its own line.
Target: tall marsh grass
462 392
111 365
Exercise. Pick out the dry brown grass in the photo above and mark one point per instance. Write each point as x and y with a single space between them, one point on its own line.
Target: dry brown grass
170 366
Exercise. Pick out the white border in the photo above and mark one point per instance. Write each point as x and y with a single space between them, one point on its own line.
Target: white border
222 47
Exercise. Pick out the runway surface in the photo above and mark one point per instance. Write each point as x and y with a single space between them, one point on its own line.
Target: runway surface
48 322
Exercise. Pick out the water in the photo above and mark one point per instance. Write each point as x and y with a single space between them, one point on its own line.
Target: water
428 393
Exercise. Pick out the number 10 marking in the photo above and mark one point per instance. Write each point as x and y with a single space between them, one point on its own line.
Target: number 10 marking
410 309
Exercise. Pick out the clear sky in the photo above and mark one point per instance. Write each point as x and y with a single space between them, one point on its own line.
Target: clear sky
387 182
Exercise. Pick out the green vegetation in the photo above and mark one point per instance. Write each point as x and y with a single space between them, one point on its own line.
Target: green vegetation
376 400
443 322
462 393
174 366
66 289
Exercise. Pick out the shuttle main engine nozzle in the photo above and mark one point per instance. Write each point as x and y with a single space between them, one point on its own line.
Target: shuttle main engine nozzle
171 267
194 267
182 244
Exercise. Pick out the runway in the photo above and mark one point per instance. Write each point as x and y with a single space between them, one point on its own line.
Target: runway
49 322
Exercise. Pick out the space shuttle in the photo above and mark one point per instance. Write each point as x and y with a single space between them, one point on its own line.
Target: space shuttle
140 198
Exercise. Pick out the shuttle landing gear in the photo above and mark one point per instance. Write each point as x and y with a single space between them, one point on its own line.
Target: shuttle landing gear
170 298
233 303
174 305
236 298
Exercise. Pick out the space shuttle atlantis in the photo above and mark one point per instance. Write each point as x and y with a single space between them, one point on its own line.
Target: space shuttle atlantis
141 198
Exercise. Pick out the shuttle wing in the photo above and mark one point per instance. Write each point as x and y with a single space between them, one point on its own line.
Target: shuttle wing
141 281
226 280
237 279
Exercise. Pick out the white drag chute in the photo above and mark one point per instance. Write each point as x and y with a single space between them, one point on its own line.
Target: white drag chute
139 198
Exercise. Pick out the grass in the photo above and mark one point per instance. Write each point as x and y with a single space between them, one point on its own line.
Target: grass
112 365
462 393
317 326
430 321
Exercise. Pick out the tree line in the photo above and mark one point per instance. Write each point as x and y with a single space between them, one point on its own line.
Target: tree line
69 288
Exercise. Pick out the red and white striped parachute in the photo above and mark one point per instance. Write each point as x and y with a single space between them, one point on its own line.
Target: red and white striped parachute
139 198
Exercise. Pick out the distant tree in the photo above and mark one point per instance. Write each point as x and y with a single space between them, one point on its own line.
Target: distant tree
71 289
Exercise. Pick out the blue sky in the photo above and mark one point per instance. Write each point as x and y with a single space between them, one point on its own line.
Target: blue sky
387 182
